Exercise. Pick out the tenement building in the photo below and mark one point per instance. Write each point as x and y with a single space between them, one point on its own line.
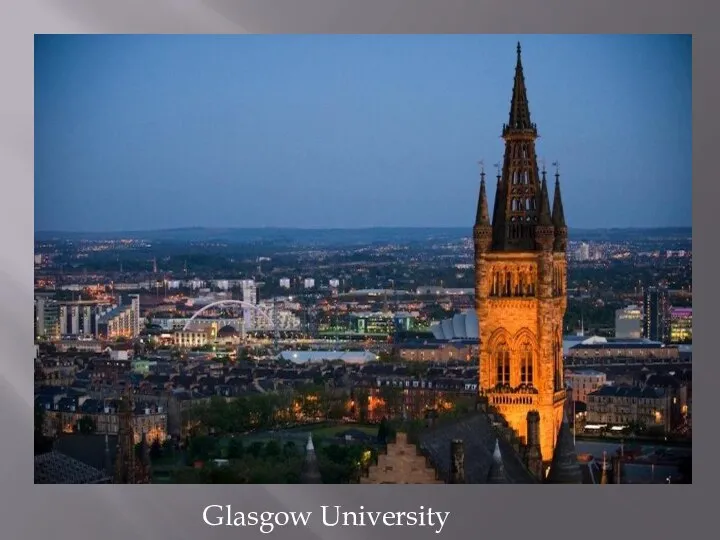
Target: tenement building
520 282
649 407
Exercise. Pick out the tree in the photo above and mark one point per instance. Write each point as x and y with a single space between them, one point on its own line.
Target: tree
273 449
235 449
213 474
341 464
155 450
685 469
361 405
255 449
463 405
290 449
42 443
243 355
202 448
383 431
393 398
168 445
86 425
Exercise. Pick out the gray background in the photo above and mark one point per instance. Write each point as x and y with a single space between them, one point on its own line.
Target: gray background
114 512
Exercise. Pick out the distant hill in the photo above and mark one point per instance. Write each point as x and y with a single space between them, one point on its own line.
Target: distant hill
342 236
283 235
620 235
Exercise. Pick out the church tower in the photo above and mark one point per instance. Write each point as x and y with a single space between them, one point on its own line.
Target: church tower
520 282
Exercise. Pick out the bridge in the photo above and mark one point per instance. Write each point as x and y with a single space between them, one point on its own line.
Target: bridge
262 312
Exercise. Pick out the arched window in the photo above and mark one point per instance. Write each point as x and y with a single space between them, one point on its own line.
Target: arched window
502 362
526 364
557 358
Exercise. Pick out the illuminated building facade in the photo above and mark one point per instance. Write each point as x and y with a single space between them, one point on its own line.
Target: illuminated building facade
63 417
630 406
584 382
47 318
436 352
373 324
195 338
681 325
122 321
521 283
629 323
656 307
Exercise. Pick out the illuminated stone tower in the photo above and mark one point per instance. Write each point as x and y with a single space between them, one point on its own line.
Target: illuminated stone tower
520 283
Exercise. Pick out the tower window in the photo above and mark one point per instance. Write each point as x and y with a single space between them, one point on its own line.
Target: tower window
526 364
502 360
557 357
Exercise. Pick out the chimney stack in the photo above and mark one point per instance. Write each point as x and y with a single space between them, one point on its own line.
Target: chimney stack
533 428
533 453
457 462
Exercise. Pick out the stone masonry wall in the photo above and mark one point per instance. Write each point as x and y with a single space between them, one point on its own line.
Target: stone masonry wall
401 465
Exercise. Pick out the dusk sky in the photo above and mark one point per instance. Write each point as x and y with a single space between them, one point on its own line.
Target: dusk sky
154 132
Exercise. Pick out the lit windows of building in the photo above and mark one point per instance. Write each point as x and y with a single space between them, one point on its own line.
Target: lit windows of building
681 325
629 322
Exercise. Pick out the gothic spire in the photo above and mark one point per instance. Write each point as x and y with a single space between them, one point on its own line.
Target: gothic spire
518 195
498 207
482 217
519 108
558 214
311 470
482 231
564 468
497 469
545 217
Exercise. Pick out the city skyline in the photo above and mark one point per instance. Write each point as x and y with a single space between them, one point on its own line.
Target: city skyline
116 137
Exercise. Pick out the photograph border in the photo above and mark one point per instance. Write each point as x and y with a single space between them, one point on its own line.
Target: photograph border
115 512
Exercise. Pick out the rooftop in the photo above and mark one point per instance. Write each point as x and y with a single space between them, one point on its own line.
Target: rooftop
56 468
479 438
628 391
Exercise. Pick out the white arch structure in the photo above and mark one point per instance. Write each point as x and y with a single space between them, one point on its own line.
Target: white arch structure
234 302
